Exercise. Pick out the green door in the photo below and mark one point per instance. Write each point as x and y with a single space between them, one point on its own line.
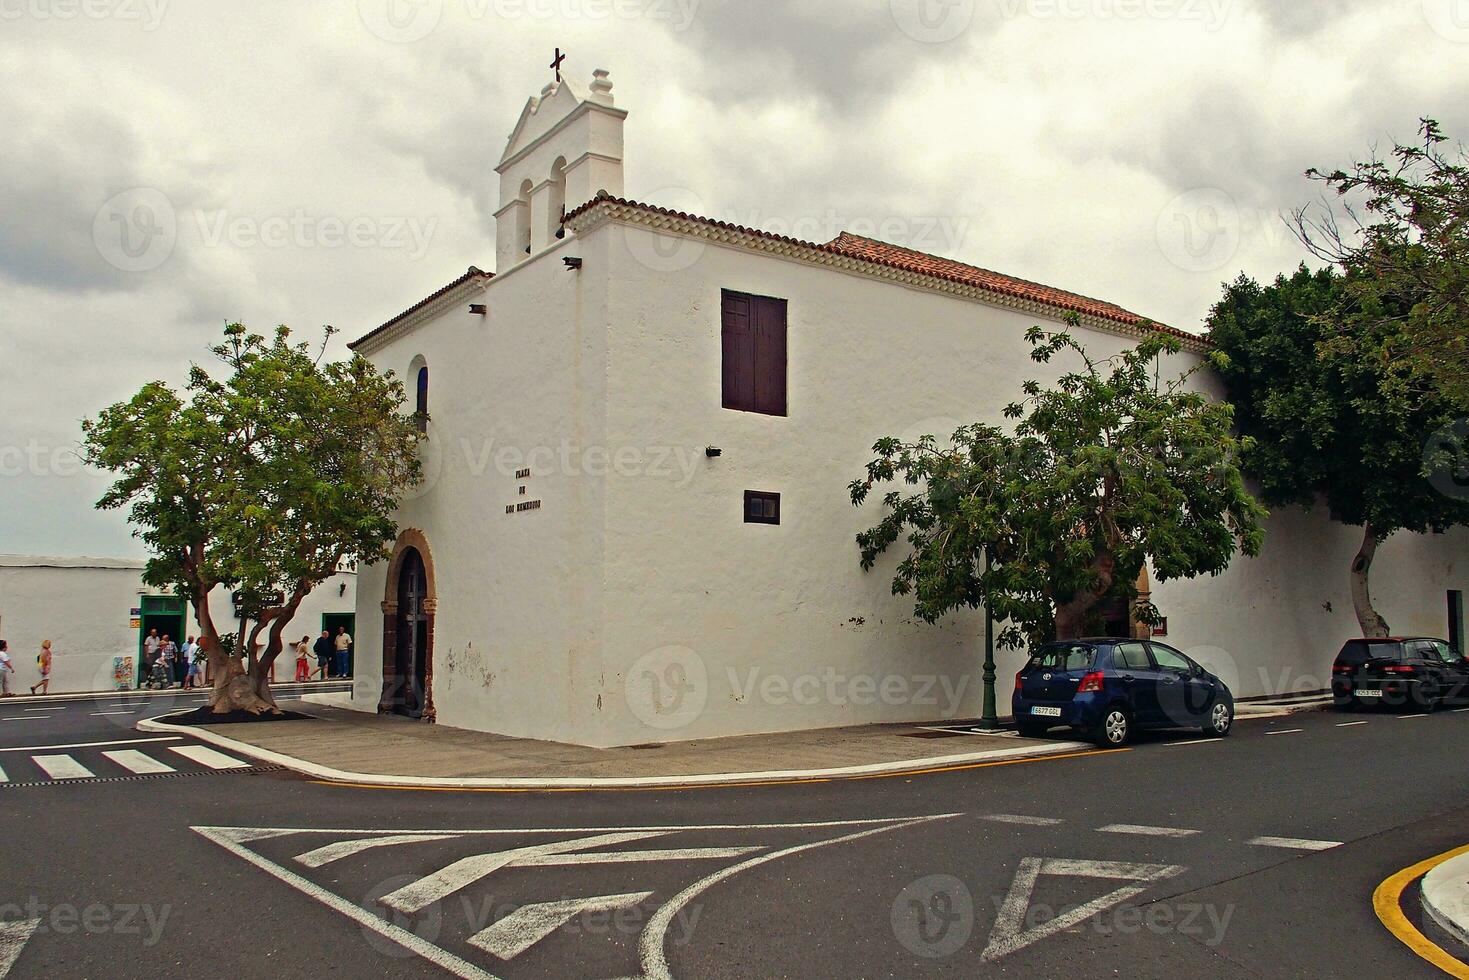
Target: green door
330 622
164 613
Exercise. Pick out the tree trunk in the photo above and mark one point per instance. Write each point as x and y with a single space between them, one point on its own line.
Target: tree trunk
1072 615
1371 623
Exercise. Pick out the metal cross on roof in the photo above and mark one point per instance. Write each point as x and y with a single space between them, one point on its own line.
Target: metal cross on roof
556 63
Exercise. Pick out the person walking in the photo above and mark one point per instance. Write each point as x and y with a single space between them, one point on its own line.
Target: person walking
324 650
6 669
43 661
343 645
187 654
303 669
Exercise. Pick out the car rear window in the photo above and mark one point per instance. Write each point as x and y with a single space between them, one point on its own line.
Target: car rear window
1356 652
1069 656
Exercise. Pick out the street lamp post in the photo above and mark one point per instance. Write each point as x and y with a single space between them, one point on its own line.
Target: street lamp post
989 721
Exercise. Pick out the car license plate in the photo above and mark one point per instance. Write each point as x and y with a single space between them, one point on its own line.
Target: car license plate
1048 712
1369 694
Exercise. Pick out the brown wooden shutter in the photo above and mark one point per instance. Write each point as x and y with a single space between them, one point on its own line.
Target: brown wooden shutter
770 356
738 342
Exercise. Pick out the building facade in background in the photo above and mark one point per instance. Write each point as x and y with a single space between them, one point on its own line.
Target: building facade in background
96 611
635 525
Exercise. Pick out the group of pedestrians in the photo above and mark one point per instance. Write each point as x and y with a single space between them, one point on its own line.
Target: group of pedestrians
332 655
7 667
175 665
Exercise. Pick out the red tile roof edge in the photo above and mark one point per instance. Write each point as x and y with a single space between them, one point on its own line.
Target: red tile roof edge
923 263
472 273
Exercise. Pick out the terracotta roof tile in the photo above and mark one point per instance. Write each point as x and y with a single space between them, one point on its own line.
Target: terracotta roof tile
911 260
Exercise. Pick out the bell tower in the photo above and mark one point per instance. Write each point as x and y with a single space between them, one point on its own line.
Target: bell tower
565 149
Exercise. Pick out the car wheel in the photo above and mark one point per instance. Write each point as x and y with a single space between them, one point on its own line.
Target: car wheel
1114 729
1219 722
1426 697
1030 729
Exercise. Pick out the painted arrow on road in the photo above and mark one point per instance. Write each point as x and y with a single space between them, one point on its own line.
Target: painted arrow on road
1009 934
13 937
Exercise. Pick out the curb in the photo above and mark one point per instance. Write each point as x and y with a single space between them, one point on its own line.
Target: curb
134 693
1446 896
1018 753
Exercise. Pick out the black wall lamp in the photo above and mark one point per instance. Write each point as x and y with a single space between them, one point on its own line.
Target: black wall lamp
713 451
572 262
478 309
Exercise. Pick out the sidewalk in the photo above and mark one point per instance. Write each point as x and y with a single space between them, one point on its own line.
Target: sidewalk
352 746
1446 895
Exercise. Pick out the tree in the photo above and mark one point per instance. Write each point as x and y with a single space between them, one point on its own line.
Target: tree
267 480
1105 471
1403 244
1328 420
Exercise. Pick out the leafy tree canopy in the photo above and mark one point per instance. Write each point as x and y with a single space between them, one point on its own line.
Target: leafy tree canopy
267 478
1106 470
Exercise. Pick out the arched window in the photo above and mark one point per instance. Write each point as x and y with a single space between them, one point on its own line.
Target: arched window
523 232
556 209
419 370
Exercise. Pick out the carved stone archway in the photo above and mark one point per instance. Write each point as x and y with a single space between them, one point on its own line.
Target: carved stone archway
409 609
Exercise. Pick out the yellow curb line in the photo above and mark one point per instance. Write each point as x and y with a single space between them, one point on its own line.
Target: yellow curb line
731 785
1387 902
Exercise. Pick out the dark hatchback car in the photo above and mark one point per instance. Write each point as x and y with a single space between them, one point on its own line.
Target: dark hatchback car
1107 688
1415 672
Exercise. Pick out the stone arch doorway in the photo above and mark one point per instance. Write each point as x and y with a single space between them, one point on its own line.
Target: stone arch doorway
410 603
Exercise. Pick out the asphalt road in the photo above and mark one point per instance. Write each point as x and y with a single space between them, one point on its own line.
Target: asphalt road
217 868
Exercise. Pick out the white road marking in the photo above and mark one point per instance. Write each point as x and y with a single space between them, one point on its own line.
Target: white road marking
204 755
630 857
59 707
1409 717
256 832
651 943
529 924
1295 843
98 714
3 777
1459 711
88 745
23 718
1021 818
1145 831
1010 933
13 937
229 838
1349 724
62 767
1288 731
1197 741
466 871
135 761
343 849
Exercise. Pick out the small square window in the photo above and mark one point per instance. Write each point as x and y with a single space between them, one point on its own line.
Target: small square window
762 507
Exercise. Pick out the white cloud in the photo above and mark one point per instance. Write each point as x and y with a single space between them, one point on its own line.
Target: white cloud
1082 143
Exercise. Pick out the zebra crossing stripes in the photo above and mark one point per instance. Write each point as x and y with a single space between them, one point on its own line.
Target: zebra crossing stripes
134 761
62 767
113 765
204 755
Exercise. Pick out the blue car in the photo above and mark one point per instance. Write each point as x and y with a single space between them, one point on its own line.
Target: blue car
1107 688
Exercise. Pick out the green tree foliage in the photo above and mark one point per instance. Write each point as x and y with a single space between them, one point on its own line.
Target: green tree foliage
1329 421
1403 245
1107 470
265 479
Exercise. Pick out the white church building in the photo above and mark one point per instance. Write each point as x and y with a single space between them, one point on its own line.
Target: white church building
641 426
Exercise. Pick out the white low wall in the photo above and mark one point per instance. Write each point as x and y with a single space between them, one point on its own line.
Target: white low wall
83 606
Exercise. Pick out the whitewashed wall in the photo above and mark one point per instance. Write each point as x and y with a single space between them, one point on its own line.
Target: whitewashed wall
82 606
637 606
517 645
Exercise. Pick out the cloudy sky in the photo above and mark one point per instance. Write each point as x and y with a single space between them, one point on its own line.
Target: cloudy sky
168 166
